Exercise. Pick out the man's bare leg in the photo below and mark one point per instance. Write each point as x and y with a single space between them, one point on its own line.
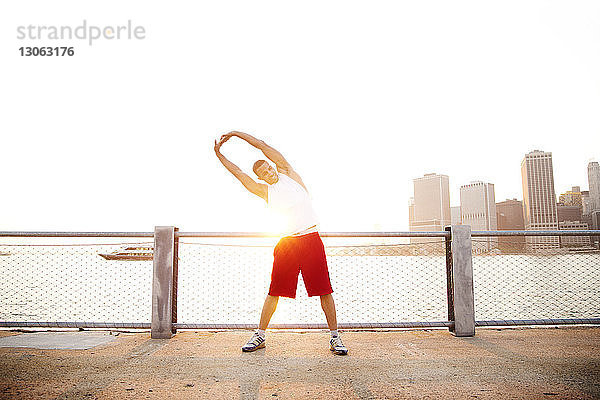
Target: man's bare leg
267 311
257 341
328 306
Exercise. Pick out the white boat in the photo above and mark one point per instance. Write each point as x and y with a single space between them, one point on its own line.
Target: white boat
132 252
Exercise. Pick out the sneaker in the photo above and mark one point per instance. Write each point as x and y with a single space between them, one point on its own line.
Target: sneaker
256 342
336 345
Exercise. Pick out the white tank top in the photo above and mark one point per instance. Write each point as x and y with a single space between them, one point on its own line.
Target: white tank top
289 199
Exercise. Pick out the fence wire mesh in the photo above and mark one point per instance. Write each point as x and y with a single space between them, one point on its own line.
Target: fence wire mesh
225 280
525 278
221 283
55 283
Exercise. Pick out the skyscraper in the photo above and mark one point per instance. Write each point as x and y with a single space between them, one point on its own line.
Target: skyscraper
586 212
586 203
539 198
478 209
431 207
594 182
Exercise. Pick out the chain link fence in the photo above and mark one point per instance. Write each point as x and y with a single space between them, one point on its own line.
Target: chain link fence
221 283
377 281
52 283
520 277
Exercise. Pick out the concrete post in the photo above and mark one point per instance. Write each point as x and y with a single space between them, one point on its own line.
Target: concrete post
162 282
462 281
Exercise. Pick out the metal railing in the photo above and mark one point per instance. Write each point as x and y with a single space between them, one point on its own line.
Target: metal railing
380 284
71 285
522 280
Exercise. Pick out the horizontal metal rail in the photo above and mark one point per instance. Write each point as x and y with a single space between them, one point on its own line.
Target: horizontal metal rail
558 321
348 325
74 324
361 325
218 234
75 234
322 234
444 234
534 233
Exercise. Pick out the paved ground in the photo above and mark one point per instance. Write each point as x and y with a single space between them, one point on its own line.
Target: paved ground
532 363
58 340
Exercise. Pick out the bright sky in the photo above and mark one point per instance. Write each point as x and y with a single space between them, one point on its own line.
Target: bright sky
361 97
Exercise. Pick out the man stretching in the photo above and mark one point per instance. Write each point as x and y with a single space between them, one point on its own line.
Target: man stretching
300 251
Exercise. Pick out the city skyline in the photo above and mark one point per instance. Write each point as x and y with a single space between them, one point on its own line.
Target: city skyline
556 209
540 209
520 196
453 203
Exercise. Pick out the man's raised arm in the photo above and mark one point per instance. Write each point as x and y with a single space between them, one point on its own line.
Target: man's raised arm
258 189
267 150
282 164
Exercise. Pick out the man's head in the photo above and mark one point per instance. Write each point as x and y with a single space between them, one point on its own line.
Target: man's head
265 172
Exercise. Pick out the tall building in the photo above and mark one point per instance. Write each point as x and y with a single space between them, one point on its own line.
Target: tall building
586 212
594 202
431 209
478 209
539 199
571 197
586 203
594 182
510 218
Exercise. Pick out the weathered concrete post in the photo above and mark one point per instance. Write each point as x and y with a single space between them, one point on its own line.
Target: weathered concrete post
162 282
462 281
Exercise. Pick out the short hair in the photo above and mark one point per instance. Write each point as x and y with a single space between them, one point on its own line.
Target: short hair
257 165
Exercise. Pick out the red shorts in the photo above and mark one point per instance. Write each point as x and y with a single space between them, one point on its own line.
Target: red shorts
294 254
